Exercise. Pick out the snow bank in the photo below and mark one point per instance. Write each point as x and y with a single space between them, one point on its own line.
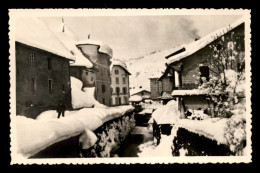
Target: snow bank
201 43
82 98
167 114
47 129
135 98
212 128
103 48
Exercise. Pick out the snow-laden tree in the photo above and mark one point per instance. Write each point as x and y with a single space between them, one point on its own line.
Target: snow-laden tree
225 59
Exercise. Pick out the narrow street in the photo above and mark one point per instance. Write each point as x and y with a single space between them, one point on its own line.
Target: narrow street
138 136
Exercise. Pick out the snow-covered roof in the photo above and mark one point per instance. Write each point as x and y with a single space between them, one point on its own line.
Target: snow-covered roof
135 98
69 39
103 47
34 32
201 43
121 64
188 92
137 90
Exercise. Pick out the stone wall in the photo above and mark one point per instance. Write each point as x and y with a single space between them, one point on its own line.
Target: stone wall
110 136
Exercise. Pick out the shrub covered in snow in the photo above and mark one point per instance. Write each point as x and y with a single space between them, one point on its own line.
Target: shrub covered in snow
235 133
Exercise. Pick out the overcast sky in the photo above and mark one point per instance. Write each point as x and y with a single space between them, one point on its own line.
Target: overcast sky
130 37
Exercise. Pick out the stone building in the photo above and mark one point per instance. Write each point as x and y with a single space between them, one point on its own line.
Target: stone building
99 54
119 83
42 68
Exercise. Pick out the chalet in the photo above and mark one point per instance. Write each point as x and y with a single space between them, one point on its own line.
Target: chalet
42 68
119 83
99 54
191 59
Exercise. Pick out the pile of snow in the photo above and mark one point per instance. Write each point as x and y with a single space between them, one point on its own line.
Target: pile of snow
167 114
201 43
46 129
103 47
135 98
82 98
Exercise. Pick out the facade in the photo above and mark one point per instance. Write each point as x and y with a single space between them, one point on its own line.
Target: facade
119 84
42 80
99 54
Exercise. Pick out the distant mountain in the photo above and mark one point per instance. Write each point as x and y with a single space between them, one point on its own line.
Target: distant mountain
144 67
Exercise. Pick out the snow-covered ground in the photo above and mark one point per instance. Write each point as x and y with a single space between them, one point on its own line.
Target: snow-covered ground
164 149
47 129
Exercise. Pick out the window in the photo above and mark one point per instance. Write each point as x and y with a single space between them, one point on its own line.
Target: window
117 90
32 58
103 88
33 84
204 72
111 89
116 71
119 100
50 85
124 90
103 100
108 73
101 71
140 86
86 73
49 63
124 80
92 79
117 80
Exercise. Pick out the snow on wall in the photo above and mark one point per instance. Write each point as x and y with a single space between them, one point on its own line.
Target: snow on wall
103 48
201 43
43 132
212 128
35 33
82 98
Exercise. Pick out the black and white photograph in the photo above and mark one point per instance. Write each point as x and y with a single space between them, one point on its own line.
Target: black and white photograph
130 86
